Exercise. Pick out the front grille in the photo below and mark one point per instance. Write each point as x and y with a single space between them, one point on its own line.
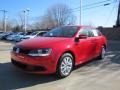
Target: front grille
28 67
21 50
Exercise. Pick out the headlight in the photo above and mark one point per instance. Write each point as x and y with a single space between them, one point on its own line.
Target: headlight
40 52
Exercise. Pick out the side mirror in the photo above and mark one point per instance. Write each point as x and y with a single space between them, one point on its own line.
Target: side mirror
80 37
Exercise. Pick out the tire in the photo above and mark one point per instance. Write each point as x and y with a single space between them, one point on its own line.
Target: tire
65 65
102 54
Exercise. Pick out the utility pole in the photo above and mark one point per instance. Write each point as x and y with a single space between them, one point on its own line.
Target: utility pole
118 16
25 18
80 12
4 19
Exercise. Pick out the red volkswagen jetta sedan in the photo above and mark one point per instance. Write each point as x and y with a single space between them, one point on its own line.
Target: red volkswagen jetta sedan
59 50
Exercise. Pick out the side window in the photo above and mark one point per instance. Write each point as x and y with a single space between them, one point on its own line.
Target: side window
41 33
90 33
38 34
99 33
86 31
83 31
96 32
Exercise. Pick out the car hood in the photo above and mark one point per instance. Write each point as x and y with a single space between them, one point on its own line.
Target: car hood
43 42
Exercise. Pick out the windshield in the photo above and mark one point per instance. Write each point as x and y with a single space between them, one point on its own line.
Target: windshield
62 32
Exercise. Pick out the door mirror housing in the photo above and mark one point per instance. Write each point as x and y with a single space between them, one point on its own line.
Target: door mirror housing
80 37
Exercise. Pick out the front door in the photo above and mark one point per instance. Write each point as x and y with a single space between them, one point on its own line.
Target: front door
85 47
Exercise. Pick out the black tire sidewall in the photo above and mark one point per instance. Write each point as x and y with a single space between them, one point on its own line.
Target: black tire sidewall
58 72
101 55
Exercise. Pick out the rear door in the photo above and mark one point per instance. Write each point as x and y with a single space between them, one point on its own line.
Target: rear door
93 42
97 37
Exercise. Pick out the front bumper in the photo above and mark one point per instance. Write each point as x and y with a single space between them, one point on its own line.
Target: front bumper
41 65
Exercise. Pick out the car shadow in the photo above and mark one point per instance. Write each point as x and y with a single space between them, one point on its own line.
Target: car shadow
95 67
110 63
11 78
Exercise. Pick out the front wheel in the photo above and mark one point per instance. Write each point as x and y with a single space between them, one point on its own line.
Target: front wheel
65 65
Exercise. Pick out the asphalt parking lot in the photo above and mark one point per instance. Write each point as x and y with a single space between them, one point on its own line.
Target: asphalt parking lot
94 75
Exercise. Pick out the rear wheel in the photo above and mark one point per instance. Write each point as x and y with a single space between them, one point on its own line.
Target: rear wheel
102 55
65 65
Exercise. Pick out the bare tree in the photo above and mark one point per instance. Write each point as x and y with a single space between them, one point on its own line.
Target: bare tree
1 26
61 14
21 20
57 15
9 25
